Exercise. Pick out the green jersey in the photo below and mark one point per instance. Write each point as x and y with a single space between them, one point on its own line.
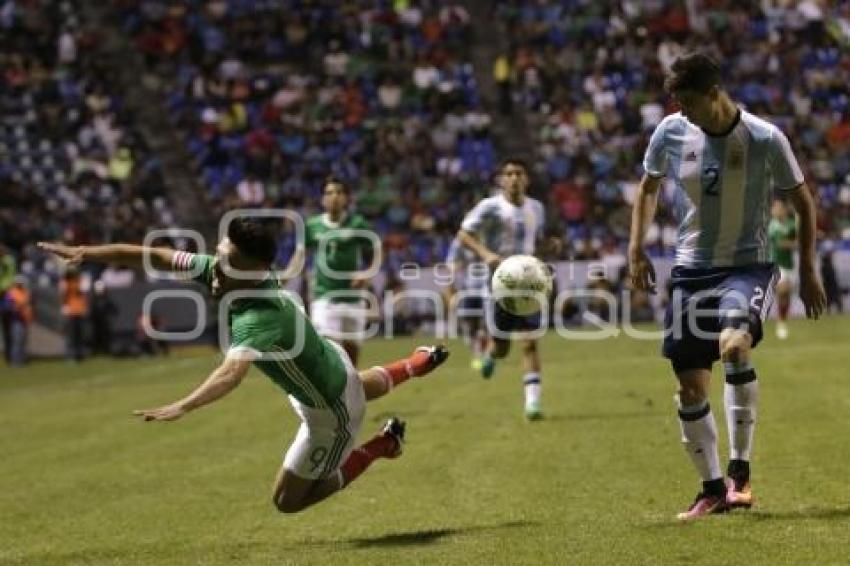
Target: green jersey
777 232
274 324
340 251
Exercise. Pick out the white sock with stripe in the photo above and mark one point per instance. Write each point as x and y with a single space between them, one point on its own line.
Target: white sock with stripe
699 437
740 395
533 385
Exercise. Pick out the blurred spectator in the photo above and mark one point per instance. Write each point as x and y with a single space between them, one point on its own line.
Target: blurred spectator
502 75
74 308
8 271
834 293
114 277
101 311
20 307
147 345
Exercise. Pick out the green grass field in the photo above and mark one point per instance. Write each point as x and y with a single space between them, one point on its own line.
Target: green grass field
598 482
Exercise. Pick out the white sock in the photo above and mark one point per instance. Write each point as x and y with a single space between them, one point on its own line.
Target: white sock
699 436
740 395
533 387
479 344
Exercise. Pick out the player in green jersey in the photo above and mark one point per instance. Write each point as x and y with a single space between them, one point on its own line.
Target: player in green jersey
782 236
269 330
342 248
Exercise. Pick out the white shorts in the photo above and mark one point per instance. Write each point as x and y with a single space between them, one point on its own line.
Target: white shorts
339 321
327 435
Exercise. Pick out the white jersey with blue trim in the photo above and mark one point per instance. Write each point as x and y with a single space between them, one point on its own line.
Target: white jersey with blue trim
469 272
505 228
723 186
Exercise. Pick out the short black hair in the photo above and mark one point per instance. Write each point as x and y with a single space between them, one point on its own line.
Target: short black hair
695 72
333 180
518 161
254 238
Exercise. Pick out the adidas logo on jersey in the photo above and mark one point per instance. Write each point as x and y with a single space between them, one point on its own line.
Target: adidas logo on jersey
691 156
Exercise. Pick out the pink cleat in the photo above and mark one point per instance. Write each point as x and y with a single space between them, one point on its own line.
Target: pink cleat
704 504
739 495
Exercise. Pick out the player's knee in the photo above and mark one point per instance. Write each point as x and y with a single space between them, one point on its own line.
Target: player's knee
734 345
691 394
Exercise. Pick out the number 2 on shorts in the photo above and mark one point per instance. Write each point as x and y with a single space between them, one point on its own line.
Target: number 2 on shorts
756 302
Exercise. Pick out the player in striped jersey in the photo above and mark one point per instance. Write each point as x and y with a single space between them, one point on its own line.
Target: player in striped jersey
724 163
498 227
271 331
466 296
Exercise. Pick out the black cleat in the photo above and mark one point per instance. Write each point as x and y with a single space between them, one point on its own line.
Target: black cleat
420 365
394 428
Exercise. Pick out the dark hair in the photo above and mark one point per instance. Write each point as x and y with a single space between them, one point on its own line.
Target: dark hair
253 238
332 180
696 72
519 162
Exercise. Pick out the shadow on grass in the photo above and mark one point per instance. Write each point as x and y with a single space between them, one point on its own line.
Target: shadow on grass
811 513
423 537
821 513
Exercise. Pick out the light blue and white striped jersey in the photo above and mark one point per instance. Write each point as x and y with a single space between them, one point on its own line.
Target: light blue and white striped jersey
505 228
469 272
723 186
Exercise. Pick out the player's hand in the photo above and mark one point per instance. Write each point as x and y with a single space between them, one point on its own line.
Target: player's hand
641 271
359 283
71 254
170 412
492 260
812 293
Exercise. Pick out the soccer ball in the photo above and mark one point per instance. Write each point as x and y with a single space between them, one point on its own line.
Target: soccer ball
522 284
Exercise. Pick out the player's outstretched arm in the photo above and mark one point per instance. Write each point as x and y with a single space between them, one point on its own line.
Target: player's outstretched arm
295 267
641 271
222 381
811 288
487 255
125 254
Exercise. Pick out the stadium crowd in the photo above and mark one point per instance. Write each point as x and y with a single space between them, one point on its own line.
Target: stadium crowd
72 164
588 78
274 97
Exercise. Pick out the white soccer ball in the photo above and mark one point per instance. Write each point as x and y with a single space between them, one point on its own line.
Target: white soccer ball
522 284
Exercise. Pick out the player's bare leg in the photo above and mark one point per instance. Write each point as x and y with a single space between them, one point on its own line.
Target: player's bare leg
699 437
531 380
783 307
293 493
741 399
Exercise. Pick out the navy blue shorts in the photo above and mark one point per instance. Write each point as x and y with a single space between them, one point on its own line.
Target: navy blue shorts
472 306
704 301
507 322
